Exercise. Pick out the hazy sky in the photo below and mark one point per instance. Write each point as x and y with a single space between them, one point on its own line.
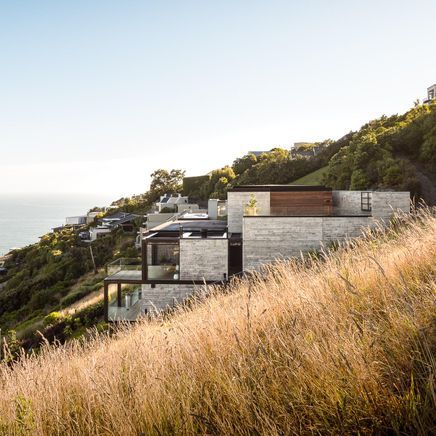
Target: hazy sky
94 95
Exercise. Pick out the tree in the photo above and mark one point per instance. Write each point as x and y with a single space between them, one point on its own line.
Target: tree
244 163
164 182
220 188
219 179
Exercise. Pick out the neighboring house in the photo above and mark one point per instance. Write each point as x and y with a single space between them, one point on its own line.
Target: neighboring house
171 202
91 216
431 93
96 232
264 223
75 220
123 220
187 207
81 220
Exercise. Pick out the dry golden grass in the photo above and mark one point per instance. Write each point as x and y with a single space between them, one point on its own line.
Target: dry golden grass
337 345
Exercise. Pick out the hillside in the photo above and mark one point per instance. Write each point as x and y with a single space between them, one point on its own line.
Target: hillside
396 152
52 275
385 154
338 344
314 178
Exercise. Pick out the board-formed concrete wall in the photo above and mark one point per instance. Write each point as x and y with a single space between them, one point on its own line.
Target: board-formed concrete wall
203 259
163 296
348 203
385 204
339 228
236 202
266 239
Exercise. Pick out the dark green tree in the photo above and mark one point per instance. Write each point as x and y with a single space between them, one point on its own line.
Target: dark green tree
165 182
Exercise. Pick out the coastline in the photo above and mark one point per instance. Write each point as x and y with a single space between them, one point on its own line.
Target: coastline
25 218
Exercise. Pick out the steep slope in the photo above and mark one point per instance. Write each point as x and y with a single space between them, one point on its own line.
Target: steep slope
315 178
340 344
427 180
387 153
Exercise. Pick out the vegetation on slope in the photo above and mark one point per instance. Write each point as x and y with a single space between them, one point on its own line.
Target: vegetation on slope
379 154
46 278
51 275
343 343
315 178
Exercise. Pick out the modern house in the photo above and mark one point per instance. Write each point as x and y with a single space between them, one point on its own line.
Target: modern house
264 224
123 220
81 220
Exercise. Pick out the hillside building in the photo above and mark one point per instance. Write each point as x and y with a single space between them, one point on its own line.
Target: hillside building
431 93
264 224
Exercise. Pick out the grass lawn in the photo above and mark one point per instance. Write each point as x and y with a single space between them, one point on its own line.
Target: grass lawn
314 178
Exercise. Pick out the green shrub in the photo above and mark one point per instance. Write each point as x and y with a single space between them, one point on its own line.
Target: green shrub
53 318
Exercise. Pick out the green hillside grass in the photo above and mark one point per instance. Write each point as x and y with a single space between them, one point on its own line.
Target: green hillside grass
314 178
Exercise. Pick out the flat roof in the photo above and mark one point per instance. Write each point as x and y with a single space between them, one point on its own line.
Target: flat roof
278 188
192 226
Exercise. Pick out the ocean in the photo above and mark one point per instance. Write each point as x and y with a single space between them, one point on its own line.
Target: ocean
23 217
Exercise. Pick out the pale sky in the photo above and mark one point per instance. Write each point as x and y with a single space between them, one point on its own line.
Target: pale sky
96 94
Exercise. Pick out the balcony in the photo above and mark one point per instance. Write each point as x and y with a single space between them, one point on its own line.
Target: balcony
127 306
125 270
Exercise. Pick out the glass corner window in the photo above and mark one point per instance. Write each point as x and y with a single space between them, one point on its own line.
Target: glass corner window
163 260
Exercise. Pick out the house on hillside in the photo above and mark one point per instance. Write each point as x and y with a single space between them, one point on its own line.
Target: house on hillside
109 223
123 220
431 93
171 202
81 220
264 223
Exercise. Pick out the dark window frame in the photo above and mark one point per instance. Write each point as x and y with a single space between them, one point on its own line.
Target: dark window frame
153 242
366 201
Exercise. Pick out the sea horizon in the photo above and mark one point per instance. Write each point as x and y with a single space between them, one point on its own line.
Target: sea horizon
24 217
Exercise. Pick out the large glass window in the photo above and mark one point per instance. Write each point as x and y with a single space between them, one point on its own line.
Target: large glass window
163 260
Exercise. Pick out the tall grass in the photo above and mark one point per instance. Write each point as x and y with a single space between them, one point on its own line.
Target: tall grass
340 344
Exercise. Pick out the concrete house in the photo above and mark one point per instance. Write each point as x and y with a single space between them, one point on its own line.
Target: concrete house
264 224
291 219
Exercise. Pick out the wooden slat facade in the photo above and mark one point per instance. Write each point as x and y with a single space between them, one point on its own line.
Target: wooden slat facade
312 203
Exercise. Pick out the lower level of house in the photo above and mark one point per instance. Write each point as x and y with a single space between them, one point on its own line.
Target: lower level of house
143 300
